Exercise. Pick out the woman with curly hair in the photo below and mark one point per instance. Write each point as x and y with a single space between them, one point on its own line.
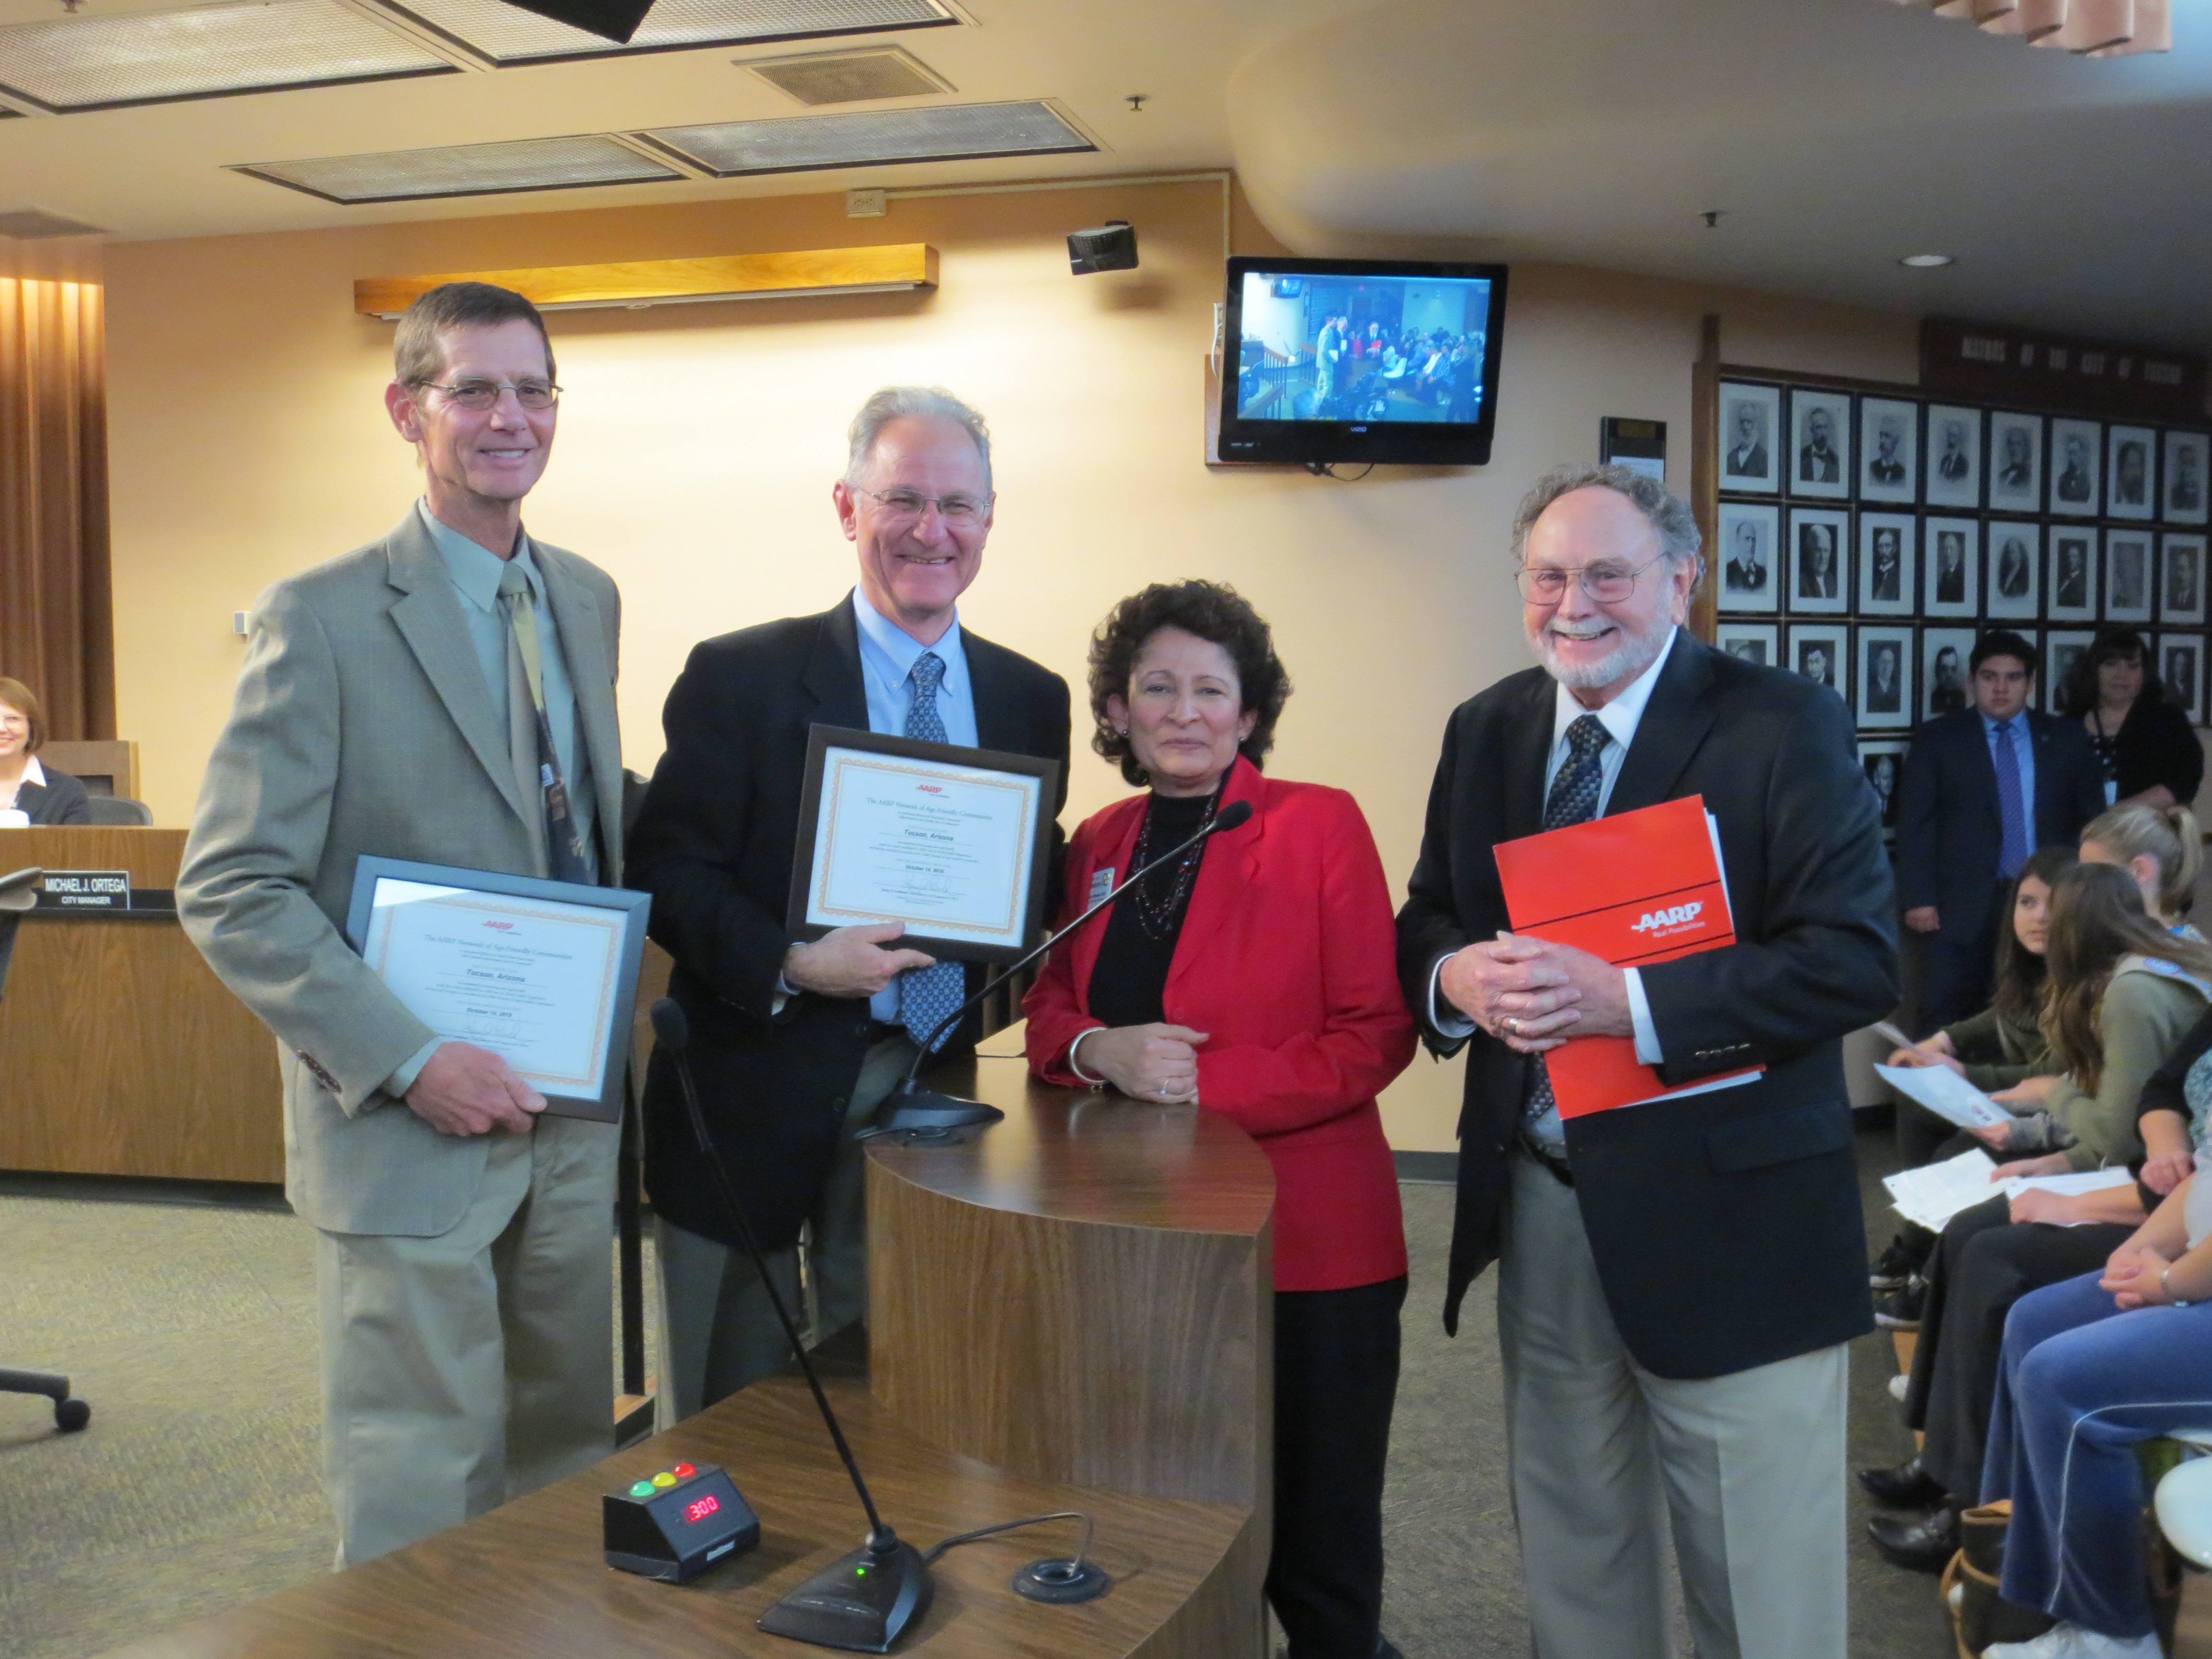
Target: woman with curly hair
1254 977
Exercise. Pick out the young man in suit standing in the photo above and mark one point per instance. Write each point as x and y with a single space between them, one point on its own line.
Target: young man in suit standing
1984 786
389 705
1629 1382
795 1044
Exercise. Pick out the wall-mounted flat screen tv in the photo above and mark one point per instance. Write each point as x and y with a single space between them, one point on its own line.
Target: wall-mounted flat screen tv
1360 360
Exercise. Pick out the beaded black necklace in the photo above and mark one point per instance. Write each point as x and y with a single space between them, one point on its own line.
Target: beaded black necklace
1159 898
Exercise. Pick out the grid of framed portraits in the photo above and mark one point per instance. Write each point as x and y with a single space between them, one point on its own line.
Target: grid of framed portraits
1865 538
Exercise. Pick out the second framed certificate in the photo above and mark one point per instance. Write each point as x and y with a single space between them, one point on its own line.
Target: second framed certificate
955 842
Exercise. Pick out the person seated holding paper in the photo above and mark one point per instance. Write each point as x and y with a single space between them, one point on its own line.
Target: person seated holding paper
1254 977
29 794
2122 993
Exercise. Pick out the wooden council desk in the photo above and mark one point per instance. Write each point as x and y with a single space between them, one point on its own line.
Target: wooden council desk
120 1052
1071 1311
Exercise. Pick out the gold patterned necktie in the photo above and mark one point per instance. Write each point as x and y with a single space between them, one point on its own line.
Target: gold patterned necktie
529 732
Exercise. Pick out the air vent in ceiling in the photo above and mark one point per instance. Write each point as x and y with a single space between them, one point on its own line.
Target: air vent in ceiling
507 34
848 77
110 61
801 144
412 175
37 225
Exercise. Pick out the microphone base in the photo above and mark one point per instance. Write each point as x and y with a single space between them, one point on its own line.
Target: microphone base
926 1113
861 1603
1063 1582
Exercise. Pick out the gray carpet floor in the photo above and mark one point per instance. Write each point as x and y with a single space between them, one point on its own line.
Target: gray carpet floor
188 1320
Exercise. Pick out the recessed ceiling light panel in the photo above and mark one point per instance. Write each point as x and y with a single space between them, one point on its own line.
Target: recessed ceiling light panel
801 144
413 175
507 34
101 62
1928 261
858 76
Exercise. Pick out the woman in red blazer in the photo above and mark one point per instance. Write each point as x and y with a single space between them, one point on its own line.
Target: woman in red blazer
1256 977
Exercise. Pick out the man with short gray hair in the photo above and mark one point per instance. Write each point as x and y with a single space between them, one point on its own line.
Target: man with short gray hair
1677 1279
795 1043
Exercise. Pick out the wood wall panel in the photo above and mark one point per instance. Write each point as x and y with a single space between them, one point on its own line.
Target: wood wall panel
120 1052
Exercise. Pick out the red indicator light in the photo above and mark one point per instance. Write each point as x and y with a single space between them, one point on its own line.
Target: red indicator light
684 1470
701 1509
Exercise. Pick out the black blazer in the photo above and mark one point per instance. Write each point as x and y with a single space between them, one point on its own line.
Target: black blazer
1752 1188
61 799
1949 831
2157 745
713 844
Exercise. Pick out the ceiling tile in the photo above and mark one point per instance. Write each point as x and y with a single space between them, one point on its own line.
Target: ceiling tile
507 34
407 175
803 143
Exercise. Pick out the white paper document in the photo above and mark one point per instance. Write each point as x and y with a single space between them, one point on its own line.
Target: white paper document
1944 1093
1930 1196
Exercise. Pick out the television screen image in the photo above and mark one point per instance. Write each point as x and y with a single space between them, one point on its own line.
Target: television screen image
1360 360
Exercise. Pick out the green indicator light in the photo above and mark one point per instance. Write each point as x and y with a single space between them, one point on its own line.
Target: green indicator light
860 1571
643 1489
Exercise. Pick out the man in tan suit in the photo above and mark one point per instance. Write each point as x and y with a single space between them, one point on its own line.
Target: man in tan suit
445 693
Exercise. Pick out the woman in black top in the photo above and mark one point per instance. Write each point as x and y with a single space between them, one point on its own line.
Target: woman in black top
41 796
2149 748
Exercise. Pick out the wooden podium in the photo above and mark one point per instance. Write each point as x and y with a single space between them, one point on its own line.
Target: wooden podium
1071 1311
120 1052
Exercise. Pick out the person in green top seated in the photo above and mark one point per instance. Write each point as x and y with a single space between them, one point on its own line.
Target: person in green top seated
2161 847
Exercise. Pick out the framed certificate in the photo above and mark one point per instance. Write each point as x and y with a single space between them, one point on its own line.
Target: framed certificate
956 843
544 974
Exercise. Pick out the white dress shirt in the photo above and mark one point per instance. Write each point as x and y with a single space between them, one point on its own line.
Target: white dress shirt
11 815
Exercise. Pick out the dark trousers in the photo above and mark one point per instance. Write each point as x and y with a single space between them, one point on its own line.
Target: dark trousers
1983 1265
1924 1137
1958 969
1336 1379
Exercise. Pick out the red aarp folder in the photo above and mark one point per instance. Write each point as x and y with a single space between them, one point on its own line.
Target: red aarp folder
1641 888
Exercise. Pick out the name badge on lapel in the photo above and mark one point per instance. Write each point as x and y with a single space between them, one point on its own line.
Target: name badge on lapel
1101 883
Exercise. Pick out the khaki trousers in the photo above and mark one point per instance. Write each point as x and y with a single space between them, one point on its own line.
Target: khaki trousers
719 1332
1748 1469
465 1369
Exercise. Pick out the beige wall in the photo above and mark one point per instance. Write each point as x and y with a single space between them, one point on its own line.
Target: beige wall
698 444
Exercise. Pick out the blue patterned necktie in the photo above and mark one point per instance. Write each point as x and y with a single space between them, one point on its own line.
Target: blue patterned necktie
1573 799
927 995
2012 808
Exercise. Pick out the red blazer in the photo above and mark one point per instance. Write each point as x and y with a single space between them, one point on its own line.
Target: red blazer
1287 961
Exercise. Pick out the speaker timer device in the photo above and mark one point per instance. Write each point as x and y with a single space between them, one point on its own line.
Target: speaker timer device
674 1525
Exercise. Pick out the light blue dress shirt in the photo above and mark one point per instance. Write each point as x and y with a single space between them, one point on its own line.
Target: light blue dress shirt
888 654
2023 748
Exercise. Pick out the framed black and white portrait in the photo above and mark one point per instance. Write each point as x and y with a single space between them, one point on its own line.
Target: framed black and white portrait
2015 561
1751 573
1822 652
2181 580
1944 653
2181 671
1819 553
2073 573
2062 657
1883 759
1884 677
1751 438
2015 463
2077 460
2127 575
2184 485
1888 563
1820 459
1752 642
1953 457
1889 450
2131 472
1951 566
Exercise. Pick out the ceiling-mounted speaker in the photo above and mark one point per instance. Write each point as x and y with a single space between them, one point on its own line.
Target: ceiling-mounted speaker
610 19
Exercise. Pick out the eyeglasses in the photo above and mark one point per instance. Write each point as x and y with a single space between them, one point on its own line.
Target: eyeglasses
1607 584
958 511
477 396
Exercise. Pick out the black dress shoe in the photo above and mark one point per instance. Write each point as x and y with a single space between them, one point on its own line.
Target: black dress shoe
1924 1543
1907 1486
1906 1255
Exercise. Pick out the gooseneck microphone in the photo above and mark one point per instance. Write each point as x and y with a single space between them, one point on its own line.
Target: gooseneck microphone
926 1111
861 1601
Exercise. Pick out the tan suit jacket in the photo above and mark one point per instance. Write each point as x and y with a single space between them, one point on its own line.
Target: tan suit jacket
363 726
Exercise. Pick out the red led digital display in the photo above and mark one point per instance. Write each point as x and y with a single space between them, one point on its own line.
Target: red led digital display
699 1509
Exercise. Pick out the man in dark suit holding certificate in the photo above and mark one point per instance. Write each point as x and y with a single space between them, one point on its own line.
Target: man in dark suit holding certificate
795 1044
1630 1380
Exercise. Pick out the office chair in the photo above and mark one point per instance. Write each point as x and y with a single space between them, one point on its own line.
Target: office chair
18 893
120 810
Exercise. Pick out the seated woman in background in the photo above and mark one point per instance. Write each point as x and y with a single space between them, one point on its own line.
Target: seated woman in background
2122 994
1254 977
2002 1046
2160 847
26 788
2149 750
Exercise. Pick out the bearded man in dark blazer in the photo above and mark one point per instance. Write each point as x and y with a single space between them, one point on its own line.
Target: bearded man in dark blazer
1677 1279
795 1043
